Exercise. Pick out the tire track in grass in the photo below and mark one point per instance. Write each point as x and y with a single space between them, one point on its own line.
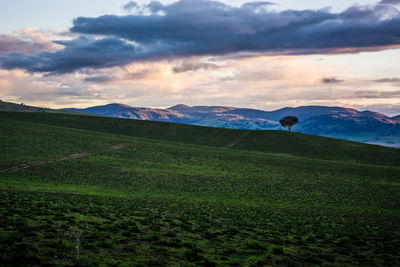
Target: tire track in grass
69 157
238 139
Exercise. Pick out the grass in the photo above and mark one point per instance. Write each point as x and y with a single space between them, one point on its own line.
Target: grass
297 144
13 107
180 197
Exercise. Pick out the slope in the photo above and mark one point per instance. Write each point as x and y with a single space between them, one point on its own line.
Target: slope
160 202
296 144
9 106
338 122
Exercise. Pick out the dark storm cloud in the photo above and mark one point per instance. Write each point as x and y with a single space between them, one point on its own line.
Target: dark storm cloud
331 80
83 52
205 27
199 27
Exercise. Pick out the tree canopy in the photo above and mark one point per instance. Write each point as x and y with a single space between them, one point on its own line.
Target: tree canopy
289 121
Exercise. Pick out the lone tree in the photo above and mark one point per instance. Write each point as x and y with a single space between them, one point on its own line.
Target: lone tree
289 121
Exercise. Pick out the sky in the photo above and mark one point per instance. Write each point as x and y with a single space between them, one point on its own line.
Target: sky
263 55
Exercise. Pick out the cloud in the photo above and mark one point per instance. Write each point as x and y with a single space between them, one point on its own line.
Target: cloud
265 83
194 28
201 27
19 86
124 74
83 52
390 2
100 79
26 40
258 5
193 66
379 94
130 5
331 80
388 80
12 43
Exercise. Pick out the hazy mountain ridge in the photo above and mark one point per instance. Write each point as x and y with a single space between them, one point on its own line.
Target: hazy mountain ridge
338 122
138 113
201 109
396 117
362 128
302 113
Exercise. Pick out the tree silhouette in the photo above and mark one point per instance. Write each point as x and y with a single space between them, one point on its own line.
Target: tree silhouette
289 121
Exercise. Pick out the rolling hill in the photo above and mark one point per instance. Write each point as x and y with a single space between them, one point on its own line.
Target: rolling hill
8 106
102 191
263 141
337 122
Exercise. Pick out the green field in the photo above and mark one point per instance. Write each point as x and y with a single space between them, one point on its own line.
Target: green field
176 195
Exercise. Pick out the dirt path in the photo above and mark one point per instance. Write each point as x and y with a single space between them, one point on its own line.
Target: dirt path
72 156
116 147
238 139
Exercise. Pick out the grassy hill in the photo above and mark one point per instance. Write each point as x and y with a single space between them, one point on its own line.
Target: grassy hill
177 195
336 122
13 107
295 144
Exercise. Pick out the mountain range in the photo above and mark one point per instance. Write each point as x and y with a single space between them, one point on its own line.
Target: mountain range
337 122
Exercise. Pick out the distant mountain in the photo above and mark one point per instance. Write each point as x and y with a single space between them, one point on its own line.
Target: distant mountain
338 122
302 113
362 127
117 110
216 116
201 109
234 121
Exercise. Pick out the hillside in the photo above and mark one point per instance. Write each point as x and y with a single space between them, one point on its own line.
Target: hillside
343 123
337 122
82 190
263 141
150 193
8 106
